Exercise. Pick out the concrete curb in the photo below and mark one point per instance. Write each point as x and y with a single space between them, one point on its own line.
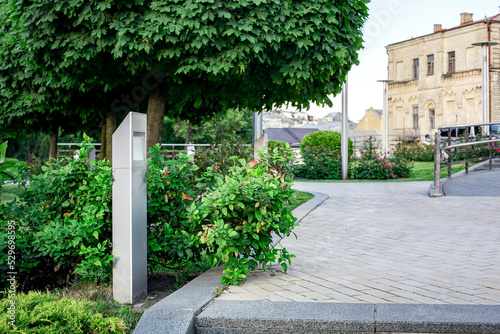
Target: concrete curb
227 316
176 313
432 189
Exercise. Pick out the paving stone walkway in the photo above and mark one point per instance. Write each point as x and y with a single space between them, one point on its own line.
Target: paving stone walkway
388 242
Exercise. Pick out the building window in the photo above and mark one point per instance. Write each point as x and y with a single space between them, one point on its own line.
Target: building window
432 118
415 68
415 117
451 62
430 64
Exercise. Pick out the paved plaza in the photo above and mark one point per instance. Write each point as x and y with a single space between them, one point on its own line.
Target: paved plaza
388 242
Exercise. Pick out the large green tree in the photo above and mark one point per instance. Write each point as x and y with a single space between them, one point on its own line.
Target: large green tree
189 58
235 124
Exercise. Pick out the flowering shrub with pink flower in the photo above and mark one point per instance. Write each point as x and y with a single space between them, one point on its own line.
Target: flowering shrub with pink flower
221 215
379 168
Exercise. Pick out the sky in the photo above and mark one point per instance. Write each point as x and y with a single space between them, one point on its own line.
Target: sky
392 21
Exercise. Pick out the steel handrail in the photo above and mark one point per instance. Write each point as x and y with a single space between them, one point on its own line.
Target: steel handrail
438 150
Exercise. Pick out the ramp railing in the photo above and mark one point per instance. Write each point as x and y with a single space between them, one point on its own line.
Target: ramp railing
467 144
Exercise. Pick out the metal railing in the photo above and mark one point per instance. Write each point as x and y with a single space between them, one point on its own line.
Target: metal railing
394 139
70 150
470 143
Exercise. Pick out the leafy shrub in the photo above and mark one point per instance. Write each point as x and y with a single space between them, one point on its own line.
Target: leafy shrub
379 168
38 312
63 221
369 149
320 163
326 139
218 196
8 167
321 154
242 212
272 144
414 151
218 155
172 186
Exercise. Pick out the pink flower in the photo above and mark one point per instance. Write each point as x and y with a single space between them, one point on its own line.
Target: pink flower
392 175
184 196
252 163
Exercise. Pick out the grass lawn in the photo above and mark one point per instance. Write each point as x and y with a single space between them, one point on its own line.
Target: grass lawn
424 171
8 192
300 198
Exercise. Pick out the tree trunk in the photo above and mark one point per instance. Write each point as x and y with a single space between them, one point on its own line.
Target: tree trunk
110 129
156 111
53 143
29 157
36 144
189 132
102 155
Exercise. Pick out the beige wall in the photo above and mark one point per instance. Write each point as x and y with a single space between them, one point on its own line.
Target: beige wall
455 98
370 121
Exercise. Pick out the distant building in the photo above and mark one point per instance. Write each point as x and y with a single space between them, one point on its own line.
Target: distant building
287 119
293 136
372 120
437 77
333 117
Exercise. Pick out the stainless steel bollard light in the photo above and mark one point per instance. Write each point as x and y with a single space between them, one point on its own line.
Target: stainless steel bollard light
130 278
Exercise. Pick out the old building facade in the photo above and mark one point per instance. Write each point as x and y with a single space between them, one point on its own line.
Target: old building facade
437 77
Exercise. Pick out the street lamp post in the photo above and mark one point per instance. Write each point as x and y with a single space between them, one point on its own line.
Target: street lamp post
344 139
485 73
385 119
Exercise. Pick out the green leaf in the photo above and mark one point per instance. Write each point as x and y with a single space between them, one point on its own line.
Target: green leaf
3 149
96 234
258 215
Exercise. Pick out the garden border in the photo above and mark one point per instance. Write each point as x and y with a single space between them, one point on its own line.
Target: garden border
176 313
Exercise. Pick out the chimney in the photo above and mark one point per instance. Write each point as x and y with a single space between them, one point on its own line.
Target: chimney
438 28
465 18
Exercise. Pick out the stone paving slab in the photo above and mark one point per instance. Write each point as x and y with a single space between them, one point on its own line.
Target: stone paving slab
275 317
234 317
374 242
481 183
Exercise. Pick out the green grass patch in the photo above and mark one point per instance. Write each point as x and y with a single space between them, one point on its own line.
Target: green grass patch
37 312
9 192
300 198
424 171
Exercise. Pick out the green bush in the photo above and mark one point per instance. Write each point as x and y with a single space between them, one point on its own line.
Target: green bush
63 222
377 168
186 202
242 212
218 155
9 168
172 187
320 163
327 139
272 144
370 148
321 154
414 151
38 312
63 219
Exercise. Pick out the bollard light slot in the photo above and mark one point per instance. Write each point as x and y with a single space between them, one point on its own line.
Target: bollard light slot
139 146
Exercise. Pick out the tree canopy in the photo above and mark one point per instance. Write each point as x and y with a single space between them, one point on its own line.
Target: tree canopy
189 58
